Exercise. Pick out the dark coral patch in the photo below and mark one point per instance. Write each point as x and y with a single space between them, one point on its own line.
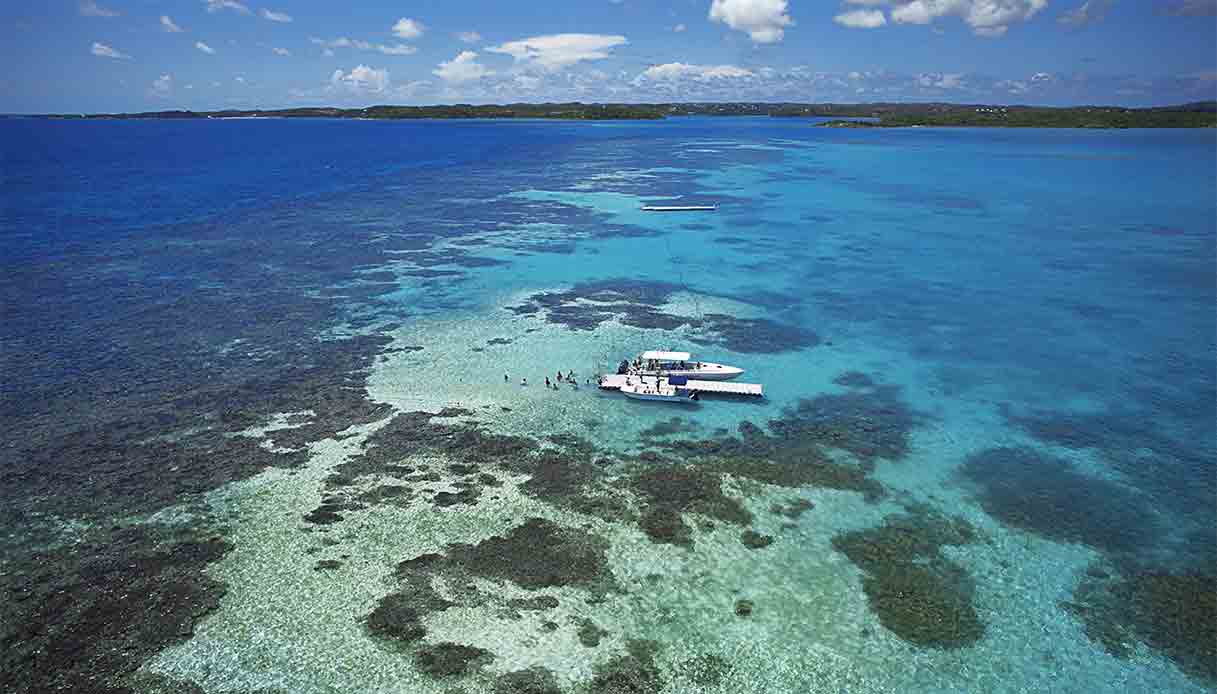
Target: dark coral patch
793 509
449 659
535 680
537 554
1173 613
870 424
587 305
633 673
540 602
1047 496
324 514
399 615
918 594
754 540
667 492
854 379
743 608
670 427
590 634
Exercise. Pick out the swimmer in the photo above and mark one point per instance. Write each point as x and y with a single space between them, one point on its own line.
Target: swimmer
504 378
547 381
523 381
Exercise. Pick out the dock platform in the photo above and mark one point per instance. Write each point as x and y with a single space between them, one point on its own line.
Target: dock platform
615 381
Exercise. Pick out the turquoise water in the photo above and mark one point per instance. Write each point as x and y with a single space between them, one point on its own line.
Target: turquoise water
1033 311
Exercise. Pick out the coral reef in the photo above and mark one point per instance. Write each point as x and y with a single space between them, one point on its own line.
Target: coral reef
918 594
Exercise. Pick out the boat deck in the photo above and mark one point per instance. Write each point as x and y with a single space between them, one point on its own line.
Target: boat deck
615 381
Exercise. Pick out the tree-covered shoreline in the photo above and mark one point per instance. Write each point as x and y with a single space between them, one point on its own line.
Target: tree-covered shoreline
1194 115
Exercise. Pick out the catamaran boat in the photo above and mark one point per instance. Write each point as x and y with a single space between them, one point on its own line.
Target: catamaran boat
663 389
672 364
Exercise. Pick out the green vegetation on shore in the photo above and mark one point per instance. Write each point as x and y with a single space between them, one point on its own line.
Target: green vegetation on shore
1194 115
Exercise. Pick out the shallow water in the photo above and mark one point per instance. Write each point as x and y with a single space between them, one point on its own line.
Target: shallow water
1034 311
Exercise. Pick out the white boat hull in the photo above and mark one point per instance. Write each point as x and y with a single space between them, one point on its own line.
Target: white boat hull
706 372
680 398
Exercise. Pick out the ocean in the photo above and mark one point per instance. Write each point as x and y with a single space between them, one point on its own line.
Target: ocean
266 427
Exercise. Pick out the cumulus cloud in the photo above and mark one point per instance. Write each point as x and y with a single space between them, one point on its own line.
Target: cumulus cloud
161 86
407 28
101 50
276 16
463 68
557 51
469 36
678 71
361 80
1086 13
763 20
679 28
281 51
861 19
939 80
986 17
168 25
204 47
217 5
344 42
90 8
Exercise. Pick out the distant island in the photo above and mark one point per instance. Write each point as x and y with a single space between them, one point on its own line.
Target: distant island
886 115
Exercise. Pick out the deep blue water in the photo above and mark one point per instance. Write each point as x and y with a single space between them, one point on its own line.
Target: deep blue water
1046 291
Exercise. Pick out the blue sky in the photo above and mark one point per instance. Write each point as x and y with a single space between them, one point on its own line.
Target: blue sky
127 55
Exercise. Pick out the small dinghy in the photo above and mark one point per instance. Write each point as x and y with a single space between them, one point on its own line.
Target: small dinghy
662 389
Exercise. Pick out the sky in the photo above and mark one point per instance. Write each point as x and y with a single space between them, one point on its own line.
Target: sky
90 56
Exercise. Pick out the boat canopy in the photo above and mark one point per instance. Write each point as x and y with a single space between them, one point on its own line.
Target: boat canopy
678 380
666 356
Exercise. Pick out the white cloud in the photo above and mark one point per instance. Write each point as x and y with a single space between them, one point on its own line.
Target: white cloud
407 28
556 51
469 36
399 49
204 47
90 8
161 86
217 5
939 80
677 71
276 16
861 19
463 68
344 42
986 17
281 51
169 26
763 20
679 28
361 79
1086 13
101 50
239 79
